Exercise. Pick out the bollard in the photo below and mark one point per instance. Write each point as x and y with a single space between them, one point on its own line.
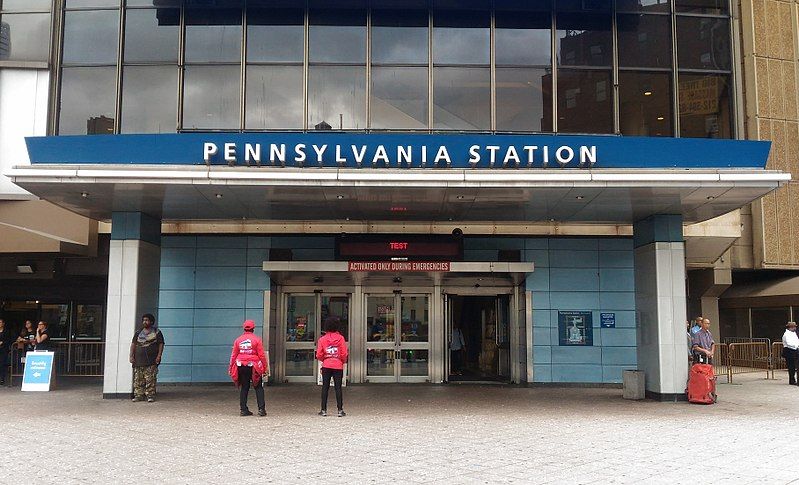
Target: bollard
634 384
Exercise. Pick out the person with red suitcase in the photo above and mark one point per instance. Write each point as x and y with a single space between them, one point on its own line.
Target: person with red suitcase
702 379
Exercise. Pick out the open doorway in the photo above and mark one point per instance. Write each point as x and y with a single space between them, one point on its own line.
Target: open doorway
479 340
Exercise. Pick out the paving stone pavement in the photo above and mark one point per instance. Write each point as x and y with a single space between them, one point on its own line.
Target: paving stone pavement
401 433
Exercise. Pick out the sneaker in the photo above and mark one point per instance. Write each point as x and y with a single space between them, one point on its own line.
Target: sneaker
341 413
137 399
245 412
150 399
322 412
262 412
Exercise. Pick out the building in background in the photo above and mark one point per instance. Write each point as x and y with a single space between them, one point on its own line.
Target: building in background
216 244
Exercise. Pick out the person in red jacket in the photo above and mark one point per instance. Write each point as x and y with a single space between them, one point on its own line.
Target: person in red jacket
332 351
248 365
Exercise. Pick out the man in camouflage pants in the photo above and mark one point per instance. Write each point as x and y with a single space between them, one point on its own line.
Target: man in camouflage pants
145 355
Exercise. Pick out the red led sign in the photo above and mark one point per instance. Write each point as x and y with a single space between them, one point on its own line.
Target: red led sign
358 247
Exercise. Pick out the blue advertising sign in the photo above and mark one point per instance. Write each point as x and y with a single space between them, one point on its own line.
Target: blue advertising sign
607 320
411 151
38 371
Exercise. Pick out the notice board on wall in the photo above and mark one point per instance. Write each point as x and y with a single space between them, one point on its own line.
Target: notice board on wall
575 328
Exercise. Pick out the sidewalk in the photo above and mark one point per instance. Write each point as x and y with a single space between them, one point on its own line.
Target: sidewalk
408 433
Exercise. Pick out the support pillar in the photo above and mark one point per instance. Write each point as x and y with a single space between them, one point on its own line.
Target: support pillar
660 302
134 265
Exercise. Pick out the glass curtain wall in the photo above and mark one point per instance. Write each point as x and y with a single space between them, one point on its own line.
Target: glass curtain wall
460 66
25 31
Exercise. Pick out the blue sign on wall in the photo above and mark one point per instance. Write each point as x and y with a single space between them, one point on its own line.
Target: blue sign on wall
411 151
607 320
576 328
38 371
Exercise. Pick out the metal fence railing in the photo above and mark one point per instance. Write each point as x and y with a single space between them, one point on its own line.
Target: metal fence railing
720 360
777 360
72 359
743 358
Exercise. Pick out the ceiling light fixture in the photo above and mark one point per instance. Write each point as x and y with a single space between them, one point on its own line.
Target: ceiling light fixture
26 269
647 93
460 197
660 118
339 196
218 196
85 195
580 197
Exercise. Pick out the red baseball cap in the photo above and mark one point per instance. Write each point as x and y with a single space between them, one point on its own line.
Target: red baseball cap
249 325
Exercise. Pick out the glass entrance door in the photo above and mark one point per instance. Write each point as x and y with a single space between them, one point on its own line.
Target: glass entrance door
397 337
306 316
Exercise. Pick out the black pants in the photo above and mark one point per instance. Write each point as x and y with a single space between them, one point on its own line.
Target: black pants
456 358
791 358
337 375
3 365
245 379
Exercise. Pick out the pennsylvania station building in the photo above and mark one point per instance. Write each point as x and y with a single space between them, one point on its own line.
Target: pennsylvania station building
566 182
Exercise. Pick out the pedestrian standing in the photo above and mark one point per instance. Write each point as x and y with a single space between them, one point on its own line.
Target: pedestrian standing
331 350
790 350
248 365
703 345
146 350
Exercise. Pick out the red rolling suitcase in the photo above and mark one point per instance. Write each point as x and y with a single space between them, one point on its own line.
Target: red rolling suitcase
702 384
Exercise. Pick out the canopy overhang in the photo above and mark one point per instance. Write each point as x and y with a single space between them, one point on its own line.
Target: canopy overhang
321 194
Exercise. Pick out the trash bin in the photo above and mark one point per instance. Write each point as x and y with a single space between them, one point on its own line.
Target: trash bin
634 384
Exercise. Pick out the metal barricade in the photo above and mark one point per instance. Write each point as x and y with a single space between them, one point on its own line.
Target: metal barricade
743 358
745 340
72 359
777 360
720 361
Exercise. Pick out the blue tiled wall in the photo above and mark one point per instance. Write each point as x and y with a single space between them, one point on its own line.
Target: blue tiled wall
209 286
582 274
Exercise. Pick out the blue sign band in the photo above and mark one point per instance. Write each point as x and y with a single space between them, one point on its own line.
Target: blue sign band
361 150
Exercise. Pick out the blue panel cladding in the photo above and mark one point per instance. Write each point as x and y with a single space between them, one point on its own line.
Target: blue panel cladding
209 286
582 274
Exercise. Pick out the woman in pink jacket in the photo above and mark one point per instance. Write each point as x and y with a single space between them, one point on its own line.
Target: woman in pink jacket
248 365
332 351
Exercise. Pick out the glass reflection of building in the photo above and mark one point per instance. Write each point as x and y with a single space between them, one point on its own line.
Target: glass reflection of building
399 68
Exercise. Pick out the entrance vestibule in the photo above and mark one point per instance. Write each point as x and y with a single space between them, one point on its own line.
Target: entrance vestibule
479 338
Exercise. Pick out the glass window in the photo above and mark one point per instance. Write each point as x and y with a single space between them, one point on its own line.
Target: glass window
337 307
27 4
461 37
716 7
275 35
150 3
149 99
211 97
213 35
25 37
57 319
581 92
415 319
91 37
399 98
644 6
152 35
583 5
274 97
462 98
380 316
92 3
399 37
523 38
584 39
645 104
644 40
301 318
89 322
524 99
87 100
300 362
770 322
337 97
337 36
703 43
705 106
